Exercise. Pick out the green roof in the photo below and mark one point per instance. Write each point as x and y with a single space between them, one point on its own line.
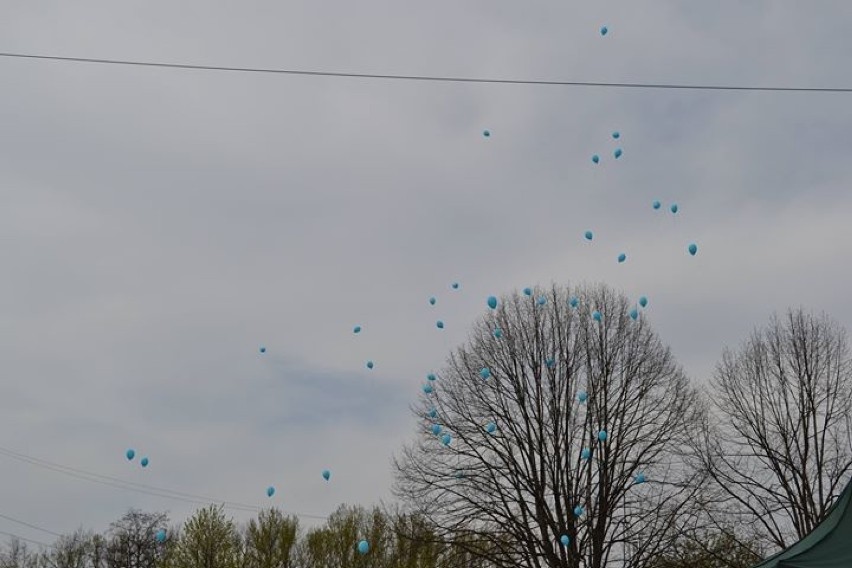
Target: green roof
829 545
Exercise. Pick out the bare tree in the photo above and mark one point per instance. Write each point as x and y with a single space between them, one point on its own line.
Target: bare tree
132 540
780 443
509 496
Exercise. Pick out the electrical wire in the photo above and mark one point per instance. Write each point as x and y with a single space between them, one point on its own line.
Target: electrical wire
20 522
429 78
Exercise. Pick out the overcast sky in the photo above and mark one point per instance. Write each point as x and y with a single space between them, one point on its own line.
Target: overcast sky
157 226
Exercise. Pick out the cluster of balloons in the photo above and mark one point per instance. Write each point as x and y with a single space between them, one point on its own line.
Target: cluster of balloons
617 153
130 454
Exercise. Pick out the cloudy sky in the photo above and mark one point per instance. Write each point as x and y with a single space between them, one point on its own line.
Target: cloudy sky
157 226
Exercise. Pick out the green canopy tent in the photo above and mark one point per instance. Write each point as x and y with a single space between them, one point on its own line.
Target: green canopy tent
829 545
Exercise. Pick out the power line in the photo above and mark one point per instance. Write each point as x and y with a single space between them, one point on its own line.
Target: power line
138 487
428 78
14 520
13 535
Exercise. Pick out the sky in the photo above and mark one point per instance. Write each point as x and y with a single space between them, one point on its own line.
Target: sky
157 226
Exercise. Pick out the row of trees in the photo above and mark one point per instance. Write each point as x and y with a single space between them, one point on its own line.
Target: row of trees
604 454
593 411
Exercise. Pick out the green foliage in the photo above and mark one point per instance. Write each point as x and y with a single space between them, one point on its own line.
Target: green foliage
209 540
270 541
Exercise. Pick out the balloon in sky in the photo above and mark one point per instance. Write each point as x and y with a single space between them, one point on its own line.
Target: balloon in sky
270 491
440 324
673 208
455 285
433 412
564 540
485 372
130 454
491 427
578 510
596 158
589 235
427 389
604 31
693 248
527 291
498 333
586 453
602 435
144 462
161 535
656 205
357 329
616 135
326 474
640 478
363 547
643 301
617 153
369 364
486 133
262 349
596 315
583 396
541 300
492 302
432 300
446 439
574 301
634 314
436 429
622 257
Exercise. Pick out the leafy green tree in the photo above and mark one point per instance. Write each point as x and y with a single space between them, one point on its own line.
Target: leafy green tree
270 541
208 540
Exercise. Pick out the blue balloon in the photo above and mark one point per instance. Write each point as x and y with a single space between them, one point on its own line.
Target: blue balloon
574 301
427 389
634 314
602 435
369 364
431 377
589 235
583 396
161 536
130 454
491 427
455 285
617 153
357 329
485 372
550 363
363 547
436 429
492 302
440 324
541 300
144 462
640 478
326 474
486 133
578 510
693 248
616 135
432 300
643 301
597 315
586 453
270 491
673 208
446 439
604 31
565 540
656 205
596 158
622 257
433 412
498 333
262 349
527 291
